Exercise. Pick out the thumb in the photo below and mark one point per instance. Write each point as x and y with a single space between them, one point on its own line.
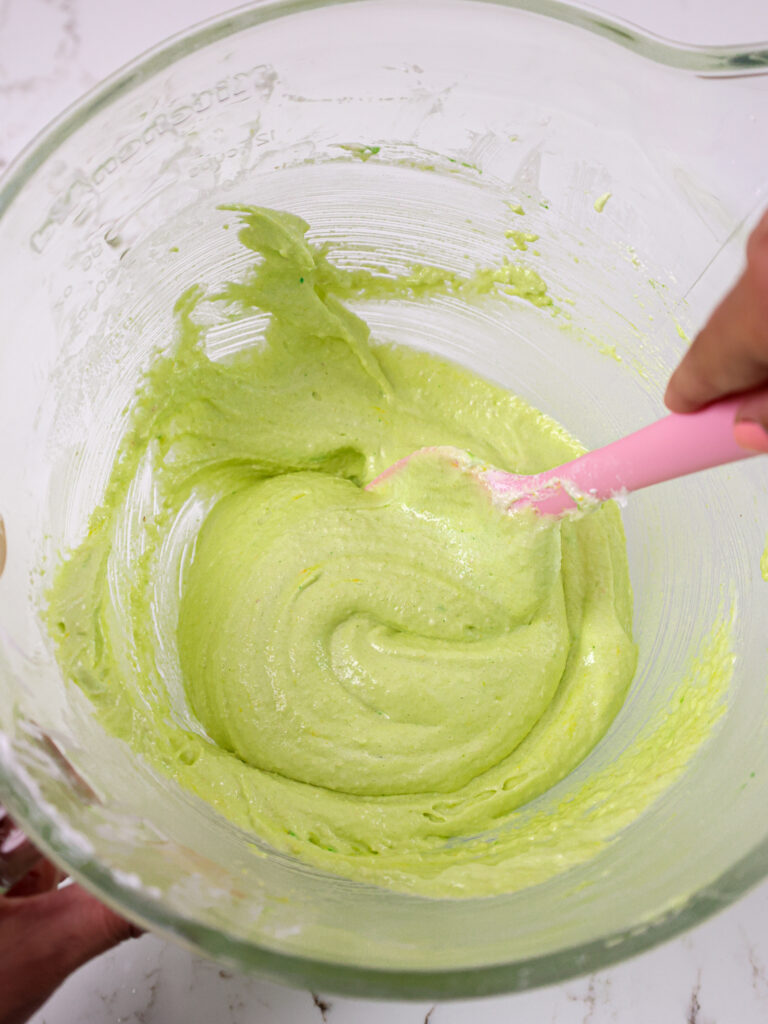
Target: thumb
77 927
751 428
44 938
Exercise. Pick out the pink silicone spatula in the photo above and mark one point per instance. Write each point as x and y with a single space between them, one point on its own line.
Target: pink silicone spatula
671 447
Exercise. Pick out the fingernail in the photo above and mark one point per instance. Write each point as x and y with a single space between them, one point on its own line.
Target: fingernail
751 435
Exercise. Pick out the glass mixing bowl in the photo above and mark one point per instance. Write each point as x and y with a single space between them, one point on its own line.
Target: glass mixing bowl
401 132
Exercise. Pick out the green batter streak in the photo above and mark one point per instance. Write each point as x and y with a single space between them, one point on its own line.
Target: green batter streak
369 676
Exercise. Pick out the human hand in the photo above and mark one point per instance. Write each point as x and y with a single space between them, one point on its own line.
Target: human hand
730 354
46 933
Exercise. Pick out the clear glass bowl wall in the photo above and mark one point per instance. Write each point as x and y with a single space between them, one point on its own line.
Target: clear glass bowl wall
463 107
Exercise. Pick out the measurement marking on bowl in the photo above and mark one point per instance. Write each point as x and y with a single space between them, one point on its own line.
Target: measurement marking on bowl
3 546
83 189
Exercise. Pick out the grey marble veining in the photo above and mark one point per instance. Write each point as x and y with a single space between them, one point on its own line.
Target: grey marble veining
51 51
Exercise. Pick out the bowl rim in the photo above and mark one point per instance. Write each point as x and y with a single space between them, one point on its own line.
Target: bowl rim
313 973
733 60
42 827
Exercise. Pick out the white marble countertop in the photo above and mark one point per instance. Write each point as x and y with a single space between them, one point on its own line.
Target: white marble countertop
51 51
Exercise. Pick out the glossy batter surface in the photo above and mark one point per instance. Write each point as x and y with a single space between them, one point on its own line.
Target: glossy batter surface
374 681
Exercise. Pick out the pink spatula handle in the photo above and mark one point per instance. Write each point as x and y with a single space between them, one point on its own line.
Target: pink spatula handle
672 447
